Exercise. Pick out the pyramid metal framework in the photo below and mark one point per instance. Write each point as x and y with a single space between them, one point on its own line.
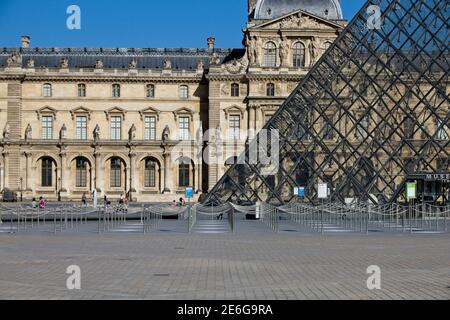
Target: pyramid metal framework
372 114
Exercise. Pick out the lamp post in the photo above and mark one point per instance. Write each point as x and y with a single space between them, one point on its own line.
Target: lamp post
59 189
21 188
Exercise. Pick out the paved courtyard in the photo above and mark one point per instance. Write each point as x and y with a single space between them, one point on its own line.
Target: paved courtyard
224 266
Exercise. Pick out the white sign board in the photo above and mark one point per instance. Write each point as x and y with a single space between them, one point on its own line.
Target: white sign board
322 191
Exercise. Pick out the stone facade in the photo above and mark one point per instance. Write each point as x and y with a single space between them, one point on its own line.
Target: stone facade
130 120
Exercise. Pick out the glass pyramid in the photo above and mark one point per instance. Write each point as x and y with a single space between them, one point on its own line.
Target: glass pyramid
372 115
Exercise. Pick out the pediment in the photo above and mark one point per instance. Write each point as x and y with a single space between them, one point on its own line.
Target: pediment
234 110
149 110
183 111
115 110
298 20
81 110
46 110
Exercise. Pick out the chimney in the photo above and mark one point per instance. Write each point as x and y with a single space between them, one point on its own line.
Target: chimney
25 42
211 42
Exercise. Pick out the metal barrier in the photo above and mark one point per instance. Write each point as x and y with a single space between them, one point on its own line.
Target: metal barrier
268 214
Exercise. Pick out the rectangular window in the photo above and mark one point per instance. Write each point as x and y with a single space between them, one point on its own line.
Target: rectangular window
81 128
47 127
184 128
235 127
116 128
150 128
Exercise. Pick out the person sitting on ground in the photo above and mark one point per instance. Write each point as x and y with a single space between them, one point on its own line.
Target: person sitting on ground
34 204
42 203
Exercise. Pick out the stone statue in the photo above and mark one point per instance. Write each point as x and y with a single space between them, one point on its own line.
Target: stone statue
99 64
214 59
14 60
63 132
313 50
199 135
96 133
284 52
167 64
28 133
133 64
132 133
64 63
200 65
30 63
6 131
252 51
166 134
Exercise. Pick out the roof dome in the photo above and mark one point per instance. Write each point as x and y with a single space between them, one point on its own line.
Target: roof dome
270 9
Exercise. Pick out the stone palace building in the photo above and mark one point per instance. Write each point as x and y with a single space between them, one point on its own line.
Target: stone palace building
132 120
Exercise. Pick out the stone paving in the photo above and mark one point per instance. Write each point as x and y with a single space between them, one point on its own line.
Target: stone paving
244 265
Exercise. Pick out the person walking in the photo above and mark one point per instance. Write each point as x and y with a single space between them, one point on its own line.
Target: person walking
83 199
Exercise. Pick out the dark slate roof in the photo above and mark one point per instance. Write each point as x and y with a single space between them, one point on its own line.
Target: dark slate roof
119 58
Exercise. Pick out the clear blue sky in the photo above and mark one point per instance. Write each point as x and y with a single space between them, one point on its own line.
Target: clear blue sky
130 23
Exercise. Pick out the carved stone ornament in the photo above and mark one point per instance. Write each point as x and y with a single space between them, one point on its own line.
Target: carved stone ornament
14 60
64 63
167 64
132 64
166 134
214 59
99 64
30 63
298 21
6 131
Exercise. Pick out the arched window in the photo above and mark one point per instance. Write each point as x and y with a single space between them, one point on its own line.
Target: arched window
46 172
184 92
150 91
183 173
150 174
116 90
81 173
270 90
81 90
116 173
47 90
298 54
235 90
270 54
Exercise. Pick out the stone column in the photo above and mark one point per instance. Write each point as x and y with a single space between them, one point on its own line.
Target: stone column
251 124
64 173
133 176
28 156
166 156
98 180
6 170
